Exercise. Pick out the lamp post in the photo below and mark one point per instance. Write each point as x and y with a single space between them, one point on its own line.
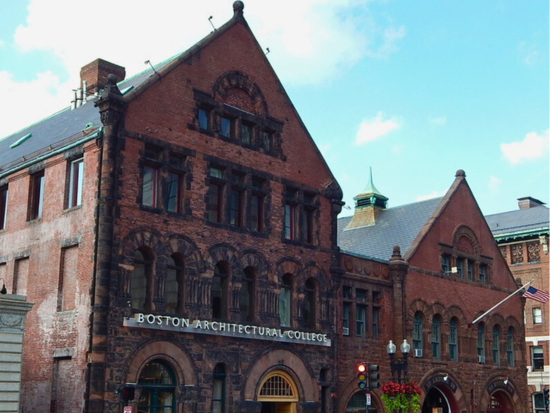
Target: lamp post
399 366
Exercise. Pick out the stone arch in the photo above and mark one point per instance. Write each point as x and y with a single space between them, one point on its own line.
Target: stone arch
455 311
228 83
288 265
281 359
447 383
222 252
179 360
419 304
465 240
178 243
253 258
140 237
509 391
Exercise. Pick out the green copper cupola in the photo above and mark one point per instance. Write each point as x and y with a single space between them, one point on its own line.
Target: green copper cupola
368 205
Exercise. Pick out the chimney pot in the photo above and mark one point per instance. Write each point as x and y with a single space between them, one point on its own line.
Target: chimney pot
95 75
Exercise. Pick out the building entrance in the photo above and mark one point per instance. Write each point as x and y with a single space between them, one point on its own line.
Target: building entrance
278 393
435 402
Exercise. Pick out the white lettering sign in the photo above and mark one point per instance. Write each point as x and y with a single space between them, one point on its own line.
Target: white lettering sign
185 325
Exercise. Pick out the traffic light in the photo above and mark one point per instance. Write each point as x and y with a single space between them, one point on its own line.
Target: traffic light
374 376
128 393
546 398
362 376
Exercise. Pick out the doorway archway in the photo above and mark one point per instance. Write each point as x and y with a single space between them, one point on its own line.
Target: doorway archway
436 402
278 393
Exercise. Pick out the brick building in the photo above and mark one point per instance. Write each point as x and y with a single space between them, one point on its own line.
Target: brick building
177 232
523 239
424 272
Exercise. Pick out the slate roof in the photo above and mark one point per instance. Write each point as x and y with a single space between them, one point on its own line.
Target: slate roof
394 226
519 223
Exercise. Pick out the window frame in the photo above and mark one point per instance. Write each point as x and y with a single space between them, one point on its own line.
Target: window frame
453 339
36 195
75 176
417 331
4 197
510 347
537 315
537 362
495 345
435 338
480 341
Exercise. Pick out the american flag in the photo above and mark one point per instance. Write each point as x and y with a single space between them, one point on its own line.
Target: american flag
538 295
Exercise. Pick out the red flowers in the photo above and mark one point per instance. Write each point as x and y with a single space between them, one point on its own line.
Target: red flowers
393 389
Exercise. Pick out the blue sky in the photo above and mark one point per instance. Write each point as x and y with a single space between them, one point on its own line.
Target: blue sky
414 89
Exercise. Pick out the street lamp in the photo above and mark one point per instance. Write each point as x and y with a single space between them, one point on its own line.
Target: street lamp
399 366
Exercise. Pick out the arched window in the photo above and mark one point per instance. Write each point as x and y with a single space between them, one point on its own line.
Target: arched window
309 303
219 289
510 346
480 343
285 300
246 294
174 290
141 281
436 338
495 345
158 383
453 339
417 334
218 390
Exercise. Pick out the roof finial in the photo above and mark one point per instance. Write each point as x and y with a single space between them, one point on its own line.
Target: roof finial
238 7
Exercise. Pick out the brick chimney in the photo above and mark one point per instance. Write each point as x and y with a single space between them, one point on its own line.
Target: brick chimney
528 202
95 74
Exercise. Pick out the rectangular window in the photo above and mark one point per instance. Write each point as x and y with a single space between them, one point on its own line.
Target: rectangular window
36 195
246 133
267 140
537 358
203 117
470 270
3 206
215 197
150 186
460 267
360 312
537 315
361 295
225 126
66 296
346 315
76 168
236 207
482 273
453 341
256 213
445 264
291 218
174 190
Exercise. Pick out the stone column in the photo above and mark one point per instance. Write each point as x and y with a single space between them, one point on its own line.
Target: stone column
13 311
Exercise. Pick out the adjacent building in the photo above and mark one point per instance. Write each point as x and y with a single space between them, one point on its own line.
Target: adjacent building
178 234
522 236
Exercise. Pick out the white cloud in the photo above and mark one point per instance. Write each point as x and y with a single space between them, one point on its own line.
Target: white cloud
533 146
372 129
433 195
494 183
438 121
529 53
310 41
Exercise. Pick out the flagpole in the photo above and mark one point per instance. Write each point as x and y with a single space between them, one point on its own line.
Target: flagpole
496 305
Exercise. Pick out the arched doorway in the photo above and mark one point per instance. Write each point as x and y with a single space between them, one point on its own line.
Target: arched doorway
436 402
278 393
158 384
499 403
357 404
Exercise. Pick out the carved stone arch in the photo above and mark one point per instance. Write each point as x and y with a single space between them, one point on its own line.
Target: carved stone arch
222 252
178 243
513 322
288 265
227 86
512 396
178 358
140 237
455 311
253 258
495 319
465 240
438 308
451 388
313 270
419 304
287 360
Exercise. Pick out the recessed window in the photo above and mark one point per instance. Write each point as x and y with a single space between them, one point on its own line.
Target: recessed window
226 126
470 270
483 273
174 201
219 290
204 119
174 287
417 331
267 140
285 301
495 345
76 169
360 315
36 195
537 315
141 281
460 267
436 338
537 358
453 339
445 264
3 206
247 130
150 187
246 295
510 347
218 390
309 304
480 343
375 322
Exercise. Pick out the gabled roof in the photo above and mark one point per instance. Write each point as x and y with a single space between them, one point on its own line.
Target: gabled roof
66 127
511 225
394 226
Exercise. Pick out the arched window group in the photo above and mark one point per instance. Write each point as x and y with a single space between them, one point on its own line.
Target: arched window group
490 346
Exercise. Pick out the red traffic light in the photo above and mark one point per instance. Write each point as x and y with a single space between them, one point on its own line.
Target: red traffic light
361 368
